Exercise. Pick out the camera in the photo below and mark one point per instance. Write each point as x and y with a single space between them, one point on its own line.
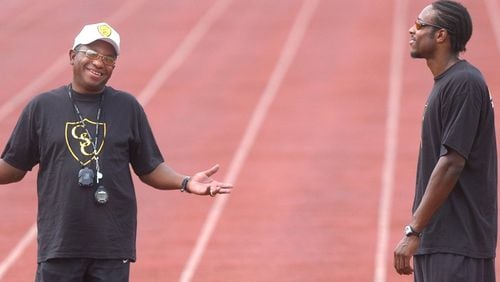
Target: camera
86 177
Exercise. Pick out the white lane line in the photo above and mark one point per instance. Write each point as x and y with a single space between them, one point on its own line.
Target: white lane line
493 9
286 58
14 255
33 87
400 36
22 19
186 47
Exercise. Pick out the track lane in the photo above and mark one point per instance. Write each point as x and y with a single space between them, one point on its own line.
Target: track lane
302 200
225 109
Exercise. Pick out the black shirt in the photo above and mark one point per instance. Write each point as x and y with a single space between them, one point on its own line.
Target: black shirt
459 116
49 133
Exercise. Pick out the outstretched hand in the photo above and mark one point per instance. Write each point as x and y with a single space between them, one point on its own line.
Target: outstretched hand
201 183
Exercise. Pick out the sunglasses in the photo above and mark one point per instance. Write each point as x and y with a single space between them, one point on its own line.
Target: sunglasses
419 24
93 55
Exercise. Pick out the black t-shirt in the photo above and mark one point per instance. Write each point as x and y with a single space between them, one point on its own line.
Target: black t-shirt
49 133
459 116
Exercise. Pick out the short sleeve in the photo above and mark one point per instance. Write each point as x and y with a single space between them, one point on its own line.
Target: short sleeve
22 149
461 114
145 155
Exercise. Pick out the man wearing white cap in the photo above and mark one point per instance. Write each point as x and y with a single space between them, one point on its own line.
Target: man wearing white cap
85 136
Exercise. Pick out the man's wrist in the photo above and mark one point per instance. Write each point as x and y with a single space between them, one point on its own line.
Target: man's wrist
410 231
184 184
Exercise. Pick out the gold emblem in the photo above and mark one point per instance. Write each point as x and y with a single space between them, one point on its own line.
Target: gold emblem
79 142
104 30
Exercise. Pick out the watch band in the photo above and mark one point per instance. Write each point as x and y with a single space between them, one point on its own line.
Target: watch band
409 231
184 184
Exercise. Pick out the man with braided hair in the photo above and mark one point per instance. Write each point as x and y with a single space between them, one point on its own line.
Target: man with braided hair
453 232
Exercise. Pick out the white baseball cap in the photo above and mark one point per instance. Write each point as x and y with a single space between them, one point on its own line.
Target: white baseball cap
98 31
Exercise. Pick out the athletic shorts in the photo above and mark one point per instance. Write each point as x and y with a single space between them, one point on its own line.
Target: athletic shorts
453 268
83 270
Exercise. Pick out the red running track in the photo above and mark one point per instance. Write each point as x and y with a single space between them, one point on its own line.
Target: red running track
312 108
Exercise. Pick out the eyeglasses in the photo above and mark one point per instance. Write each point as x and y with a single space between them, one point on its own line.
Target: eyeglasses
93 55
419 24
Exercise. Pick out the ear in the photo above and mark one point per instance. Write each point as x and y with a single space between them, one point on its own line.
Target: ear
441 35
72 55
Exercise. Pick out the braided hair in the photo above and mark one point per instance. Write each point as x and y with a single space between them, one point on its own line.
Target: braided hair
455 18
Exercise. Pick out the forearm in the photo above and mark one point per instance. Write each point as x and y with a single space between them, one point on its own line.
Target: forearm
441 183
163 178
10 174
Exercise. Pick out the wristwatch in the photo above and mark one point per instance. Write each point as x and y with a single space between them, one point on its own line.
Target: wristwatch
184 184
409 231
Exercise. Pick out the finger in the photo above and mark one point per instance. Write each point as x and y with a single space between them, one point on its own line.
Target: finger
209 172
406 265
208 189
212 190
216 190
403 266
224 189
400 265
395 261
226 186
409 268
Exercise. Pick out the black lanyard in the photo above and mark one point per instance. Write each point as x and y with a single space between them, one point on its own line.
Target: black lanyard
79 115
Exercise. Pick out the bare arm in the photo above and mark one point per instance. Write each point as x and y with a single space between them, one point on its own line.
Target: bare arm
442 181
10 174
165 178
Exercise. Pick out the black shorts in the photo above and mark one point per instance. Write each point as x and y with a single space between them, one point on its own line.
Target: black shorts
453 268
83 270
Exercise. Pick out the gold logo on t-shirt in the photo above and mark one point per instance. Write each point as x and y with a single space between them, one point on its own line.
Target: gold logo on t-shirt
80 140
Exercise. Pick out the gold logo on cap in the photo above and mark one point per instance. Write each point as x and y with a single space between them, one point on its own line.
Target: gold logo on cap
104 30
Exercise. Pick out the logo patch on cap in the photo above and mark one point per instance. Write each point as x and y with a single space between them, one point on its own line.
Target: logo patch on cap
104 30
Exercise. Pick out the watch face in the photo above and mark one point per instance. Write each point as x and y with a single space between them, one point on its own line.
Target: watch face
101 195
408 230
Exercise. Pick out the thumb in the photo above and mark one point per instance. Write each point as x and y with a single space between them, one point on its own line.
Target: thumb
209 172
